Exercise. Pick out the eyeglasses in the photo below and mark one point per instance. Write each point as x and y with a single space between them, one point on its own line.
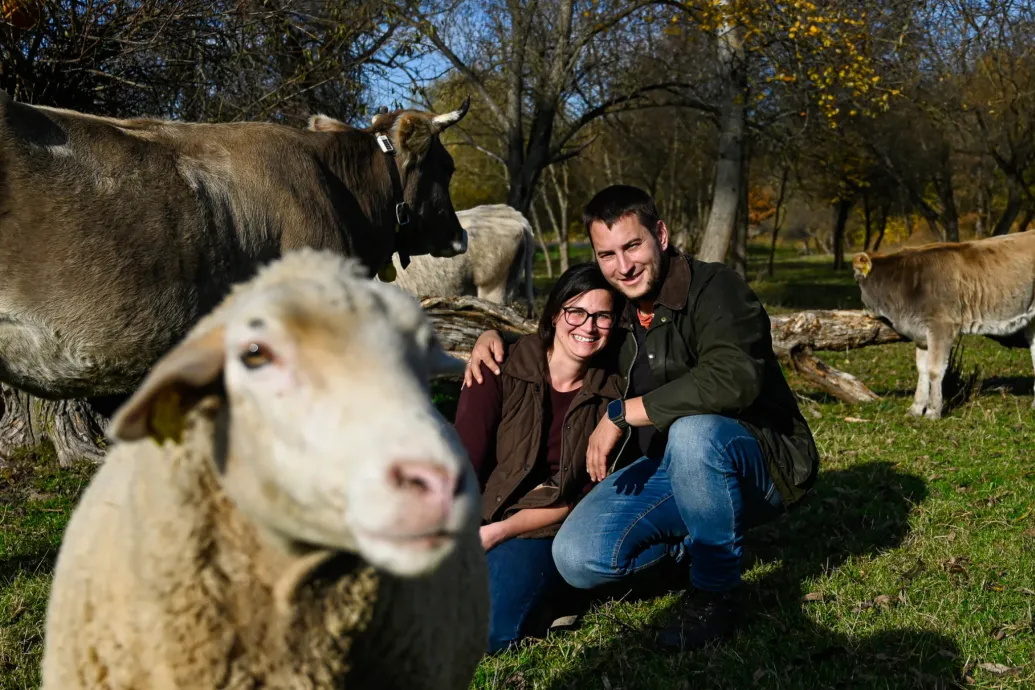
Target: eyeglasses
576 316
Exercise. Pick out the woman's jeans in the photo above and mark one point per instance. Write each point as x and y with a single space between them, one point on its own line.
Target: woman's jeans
694 503
523 582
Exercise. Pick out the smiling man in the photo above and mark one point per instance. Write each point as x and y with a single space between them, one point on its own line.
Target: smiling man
707 441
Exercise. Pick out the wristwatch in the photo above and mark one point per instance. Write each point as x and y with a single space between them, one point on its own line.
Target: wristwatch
616 413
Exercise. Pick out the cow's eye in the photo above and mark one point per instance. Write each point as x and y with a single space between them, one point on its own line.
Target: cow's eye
256 355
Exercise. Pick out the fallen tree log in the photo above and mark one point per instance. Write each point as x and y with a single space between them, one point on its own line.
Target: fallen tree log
839 329
795 336
460 320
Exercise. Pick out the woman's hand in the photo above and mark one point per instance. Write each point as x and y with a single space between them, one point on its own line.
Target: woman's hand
601 442
493 534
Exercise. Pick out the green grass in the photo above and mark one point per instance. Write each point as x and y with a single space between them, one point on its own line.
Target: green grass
36 499
911 566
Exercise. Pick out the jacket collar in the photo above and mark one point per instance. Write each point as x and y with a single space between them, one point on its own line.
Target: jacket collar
675 287
526 360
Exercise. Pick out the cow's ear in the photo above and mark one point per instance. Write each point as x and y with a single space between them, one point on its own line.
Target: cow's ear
861 264
413 132
176 384
322 123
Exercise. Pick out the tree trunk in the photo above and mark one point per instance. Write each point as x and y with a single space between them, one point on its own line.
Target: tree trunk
843 207
739 253
722 219
1029 215
538 228
560 222
882 225
776 219
866 219
949 216
75 427
1013 207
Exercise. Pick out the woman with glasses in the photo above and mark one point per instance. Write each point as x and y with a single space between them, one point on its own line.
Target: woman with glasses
526 432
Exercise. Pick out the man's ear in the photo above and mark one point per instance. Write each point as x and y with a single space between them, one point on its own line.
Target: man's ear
663 235
322 123
413 134
176 383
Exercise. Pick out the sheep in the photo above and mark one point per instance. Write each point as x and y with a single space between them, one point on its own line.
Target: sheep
500 251
282 506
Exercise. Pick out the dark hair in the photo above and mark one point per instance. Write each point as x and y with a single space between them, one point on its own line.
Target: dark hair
579 278
613 203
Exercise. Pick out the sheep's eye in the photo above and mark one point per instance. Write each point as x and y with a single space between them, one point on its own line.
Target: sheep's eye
256 356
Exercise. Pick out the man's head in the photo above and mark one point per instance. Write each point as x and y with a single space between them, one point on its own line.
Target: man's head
628 238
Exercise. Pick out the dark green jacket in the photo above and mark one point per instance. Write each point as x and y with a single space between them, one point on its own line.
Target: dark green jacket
711 352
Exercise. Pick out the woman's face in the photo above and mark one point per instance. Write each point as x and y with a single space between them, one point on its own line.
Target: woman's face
589 335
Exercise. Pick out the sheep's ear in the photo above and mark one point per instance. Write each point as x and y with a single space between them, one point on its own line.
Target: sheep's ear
175 384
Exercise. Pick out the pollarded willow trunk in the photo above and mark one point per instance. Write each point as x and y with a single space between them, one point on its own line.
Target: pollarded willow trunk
728 170
74 427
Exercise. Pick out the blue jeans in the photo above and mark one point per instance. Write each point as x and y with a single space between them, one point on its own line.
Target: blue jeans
522 584
693 504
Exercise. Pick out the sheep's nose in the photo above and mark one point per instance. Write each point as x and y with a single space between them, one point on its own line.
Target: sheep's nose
429 488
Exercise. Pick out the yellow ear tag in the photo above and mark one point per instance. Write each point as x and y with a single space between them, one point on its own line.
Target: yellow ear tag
387 273
167 417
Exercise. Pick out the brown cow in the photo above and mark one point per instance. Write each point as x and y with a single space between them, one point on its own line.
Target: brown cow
934 293
117 235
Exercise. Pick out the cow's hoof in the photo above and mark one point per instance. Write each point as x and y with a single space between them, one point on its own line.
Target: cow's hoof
933 414
916 410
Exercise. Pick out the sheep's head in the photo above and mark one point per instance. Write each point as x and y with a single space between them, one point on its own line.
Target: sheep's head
329 437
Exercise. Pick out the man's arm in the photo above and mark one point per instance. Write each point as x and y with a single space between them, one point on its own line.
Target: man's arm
487 351
733 333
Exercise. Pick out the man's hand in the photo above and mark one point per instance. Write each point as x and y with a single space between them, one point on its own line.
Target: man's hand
493 534
601 442
487 350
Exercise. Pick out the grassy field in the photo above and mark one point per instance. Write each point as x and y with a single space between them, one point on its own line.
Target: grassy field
911 566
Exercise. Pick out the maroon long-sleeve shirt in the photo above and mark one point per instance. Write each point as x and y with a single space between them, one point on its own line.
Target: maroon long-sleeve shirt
478 415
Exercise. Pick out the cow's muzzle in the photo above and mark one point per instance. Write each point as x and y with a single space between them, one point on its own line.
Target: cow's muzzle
456 247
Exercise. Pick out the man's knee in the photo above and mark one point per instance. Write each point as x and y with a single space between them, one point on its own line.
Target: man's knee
703 433
577 561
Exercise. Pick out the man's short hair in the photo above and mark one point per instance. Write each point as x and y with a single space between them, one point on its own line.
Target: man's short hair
613 203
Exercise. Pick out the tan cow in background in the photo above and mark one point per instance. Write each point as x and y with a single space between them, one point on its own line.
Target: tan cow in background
933 293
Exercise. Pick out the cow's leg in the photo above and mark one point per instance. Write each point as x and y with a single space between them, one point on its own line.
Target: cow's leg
493 293
923 383
939 347
1029 332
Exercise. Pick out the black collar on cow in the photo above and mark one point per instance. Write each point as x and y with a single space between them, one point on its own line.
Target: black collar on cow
402 209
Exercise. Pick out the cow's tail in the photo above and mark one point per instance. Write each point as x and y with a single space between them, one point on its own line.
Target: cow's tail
529 266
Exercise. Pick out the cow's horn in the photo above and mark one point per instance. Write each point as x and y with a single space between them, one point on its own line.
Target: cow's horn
440 122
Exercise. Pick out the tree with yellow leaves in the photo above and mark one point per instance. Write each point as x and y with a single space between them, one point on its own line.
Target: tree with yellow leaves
817 55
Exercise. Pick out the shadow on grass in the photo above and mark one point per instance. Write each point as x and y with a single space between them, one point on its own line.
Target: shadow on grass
859 511
41 563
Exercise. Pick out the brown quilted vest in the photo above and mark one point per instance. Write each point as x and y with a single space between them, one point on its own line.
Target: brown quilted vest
519 438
